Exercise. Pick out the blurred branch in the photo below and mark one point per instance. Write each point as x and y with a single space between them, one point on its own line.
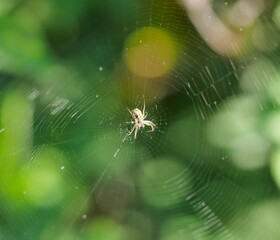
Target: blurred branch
220 37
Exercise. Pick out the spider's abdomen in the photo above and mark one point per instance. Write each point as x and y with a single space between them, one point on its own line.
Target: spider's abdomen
140 123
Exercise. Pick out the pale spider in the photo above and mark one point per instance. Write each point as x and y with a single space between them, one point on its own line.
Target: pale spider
139 121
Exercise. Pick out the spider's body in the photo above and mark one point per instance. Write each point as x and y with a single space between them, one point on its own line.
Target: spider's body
139 121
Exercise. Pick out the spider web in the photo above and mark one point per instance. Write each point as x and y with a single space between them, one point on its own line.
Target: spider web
78 166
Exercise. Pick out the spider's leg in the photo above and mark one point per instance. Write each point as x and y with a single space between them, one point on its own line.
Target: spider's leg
150 124
131 130
129 111
152 127
144 108
135 133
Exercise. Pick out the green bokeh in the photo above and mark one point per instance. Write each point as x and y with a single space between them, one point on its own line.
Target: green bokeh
69 170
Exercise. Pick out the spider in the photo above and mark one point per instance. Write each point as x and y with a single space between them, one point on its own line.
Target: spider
139 121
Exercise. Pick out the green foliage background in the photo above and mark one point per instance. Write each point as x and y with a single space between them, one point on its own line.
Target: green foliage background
211 170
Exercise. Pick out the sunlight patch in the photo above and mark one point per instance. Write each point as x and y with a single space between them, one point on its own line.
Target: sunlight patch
150 52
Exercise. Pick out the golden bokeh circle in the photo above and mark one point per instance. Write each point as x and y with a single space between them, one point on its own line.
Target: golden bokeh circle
150 52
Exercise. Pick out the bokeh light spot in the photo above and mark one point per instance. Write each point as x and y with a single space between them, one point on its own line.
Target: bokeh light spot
43 188
104 228
257 76
150 52
163 183
272 128
43 183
